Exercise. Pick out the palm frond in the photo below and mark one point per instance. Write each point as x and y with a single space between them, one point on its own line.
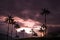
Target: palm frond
41 30
44 26
10 17
9 20
17 26
45 11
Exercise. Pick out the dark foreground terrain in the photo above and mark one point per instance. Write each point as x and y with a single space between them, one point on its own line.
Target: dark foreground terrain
41 39
4 37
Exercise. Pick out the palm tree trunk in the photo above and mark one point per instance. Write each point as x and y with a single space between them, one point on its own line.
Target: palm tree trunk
45 25
8 31
45 19
16 32
11 31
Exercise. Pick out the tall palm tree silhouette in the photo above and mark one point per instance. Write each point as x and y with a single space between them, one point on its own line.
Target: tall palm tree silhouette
9 20
45 12
16 26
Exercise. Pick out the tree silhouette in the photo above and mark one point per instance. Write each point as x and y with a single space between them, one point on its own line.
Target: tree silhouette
34 33
45 12
43 29
16 26
9 20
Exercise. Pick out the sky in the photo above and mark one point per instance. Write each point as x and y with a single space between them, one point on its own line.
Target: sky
31 9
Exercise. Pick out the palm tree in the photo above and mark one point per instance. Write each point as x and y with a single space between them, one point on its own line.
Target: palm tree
9 20
16 26
45 12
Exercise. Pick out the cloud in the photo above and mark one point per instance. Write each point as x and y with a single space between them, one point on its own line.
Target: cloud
31 9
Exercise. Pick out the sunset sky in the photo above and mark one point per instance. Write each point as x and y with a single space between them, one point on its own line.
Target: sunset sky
27 12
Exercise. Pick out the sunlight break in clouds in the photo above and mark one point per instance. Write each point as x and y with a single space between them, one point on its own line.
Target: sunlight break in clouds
27 30
27 22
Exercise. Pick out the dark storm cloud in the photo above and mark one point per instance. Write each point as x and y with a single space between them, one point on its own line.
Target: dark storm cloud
31 8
